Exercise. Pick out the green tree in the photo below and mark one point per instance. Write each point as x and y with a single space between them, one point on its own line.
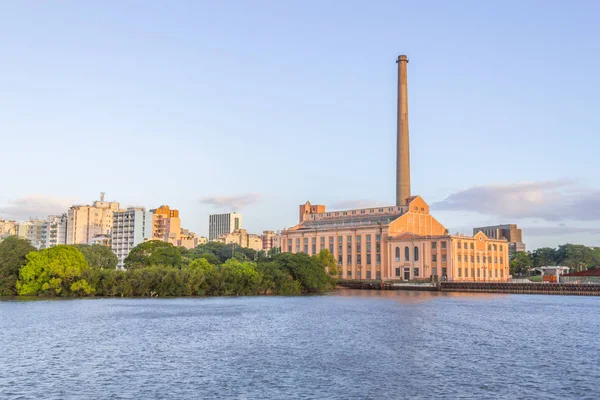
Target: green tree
240 277
543 256
520 262
153 252
211 258
327 261
98 256
576 256
201 264
54 271
13 251
277 281
311 275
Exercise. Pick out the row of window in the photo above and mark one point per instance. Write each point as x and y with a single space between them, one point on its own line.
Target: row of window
465 258
358 274
371 211
481 272
313 244
407 253
369 259
464 246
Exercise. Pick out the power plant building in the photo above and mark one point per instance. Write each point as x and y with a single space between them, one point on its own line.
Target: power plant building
401 242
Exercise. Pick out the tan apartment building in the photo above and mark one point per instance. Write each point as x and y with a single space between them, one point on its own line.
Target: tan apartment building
243 239
270 240
190 240
7 228
86 222
396 242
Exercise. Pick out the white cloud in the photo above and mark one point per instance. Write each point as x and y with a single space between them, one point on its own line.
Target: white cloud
231 202
34 206
550 201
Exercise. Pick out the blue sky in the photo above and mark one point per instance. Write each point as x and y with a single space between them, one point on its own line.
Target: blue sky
263 105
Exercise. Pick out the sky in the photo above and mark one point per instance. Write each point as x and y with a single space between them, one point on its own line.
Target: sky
259 106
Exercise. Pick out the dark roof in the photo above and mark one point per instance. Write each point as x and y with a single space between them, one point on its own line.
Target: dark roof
347 221
590 272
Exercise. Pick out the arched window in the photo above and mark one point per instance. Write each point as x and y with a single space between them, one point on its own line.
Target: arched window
416 253
406 254
397 253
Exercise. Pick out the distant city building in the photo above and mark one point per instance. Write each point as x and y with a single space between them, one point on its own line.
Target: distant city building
221 224
189 240
130 228
166 225
270 240
54 231
396 243
243 239
7 228
85 222
31 230
510 232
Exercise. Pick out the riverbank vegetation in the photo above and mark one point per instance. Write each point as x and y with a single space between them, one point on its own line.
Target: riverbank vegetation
576 256
157 268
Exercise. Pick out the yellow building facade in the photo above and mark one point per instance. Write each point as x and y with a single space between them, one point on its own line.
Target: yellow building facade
372 243
166 225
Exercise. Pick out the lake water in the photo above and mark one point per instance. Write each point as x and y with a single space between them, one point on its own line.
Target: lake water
348 345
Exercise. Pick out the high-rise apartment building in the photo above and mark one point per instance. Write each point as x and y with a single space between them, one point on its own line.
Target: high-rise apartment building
54 231
166 225
86 222
509 232
222 224
31 230
130 228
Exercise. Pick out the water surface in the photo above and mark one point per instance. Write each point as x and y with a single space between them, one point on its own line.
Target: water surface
349 345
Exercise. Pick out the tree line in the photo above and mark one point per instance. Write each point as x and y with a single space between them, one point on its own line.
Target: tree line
576 256
156 268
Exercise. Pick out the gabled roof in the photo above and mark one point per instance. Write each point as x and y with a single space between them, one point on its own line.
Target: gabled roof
405 236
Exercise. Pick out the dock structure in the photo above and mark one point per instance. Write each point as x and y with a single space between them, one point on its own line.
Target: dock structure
480 287
522 288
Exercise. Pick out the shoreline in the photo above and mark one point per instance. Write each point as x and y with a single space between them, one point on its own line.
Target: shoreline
568 289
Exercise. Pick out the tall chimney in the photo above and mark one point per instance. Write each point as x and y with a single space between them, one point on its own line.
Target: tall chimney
403 151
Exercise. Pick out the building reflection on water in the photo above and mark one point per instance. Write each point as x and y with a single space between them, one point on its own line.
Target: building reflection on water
414 296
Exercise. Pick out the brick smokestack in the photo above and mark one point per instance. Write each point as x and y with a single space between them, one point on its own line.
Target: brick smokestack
403 151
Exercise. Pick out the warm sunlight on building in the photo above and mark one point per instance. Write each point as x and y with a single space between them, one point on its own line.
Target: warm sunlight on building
397 242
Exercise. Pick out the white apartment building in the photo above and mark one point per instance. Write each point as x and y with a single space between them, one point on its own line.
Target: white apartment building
31 230
54 231
223 224
130 228
86 222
